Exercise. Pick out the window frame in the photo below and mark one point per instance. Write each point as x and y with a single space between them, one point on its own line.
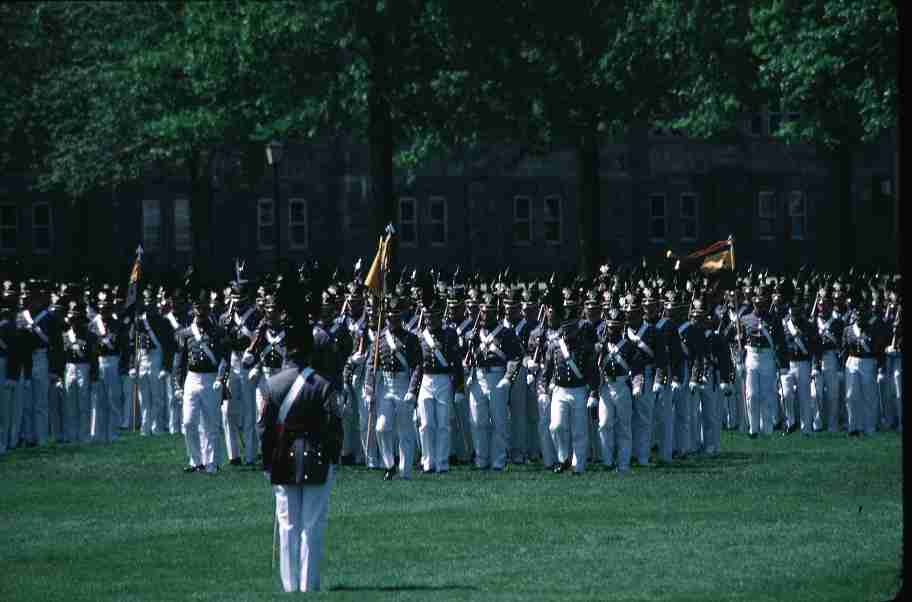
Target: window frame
292 223
434 222
695 217
771 218
157 246
178 245
517 220
14 227
261 244
803 215
408 244
50 228
664 216
546 220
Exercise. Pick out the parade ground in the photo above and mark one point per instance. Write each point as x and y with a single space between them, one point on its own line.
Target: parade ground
782 518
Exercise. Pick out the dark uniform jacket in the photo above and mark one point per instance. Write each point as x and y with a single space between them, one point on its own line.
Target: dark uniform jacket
406 346
645 340
332 346
801 340
446 343
717 357
753 326
498 347
829 331
558 369
619 356
191 355
667 329
79 345
240 326
867 338
300 450
152 331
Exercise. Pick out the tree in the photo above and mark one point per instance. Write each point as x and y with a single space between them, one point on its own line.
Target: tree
833 61
545 74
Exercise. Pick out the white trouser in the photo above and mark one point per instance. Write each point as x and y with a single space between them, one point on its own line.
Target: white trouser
519 421
695 407
664 411
173 403
761 389
861 394
125 410
896 374
107 396
533 437
826 393
460 428
239 414
351 427
615 423
488 415
890 391
546 442
55 410
15 383
35 419
77 404
642 421
796 392
201 419
434 399
151 390
681 409
395 417
371 457
301 512
731 404
570 425
709 402
6 407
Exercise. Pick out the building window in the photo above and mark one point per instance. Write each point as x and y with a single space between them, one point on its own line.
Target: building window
182 233
766 213
297 223
408 222
265 224
522 220
151 224
797 215
657 217
41 227
9 228
689 217
438 220
552 220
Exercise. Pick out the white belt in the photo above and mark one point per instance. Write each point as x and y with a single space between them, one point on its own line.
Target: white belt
759 349
108 359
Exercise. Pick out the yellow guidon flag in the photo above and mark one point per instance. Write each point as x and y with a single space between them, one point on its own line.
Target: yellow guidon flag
374 279
717 256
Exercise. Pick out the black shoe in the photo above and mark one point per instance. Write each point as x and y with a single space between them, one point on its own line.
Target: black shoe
235 462
389 474
565 465
348 460
426 471
189 469
577 474
753 435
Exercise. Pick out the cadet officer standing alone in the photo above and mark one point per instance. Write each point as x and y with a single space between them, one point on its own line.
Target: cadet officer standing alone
301 434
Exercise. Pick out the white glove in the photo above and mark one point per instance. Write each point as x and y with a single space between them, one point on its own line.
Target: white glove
530 379
163 375
409 398
503 382
465 364
179 393
675 386
815 373
592 402
783 373
217 385
132 373
637 391
543 399
889 349
693 387
657 388
880 376
254 375
532 365
726 389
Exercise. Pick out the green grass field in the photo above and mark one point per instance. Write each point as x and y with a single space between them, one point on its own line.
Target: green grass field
776 519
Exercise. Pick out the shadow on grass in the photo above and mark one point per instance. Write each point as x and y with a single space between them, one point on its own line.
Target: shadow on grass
406 587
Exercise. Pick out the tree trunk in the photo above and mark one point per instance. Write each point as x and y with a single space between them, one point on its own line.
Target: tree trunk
588 202
380 134
199 217
847 235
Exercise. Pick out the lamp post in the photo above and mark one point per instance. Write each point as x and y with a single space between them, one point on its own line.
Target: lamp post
274 151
